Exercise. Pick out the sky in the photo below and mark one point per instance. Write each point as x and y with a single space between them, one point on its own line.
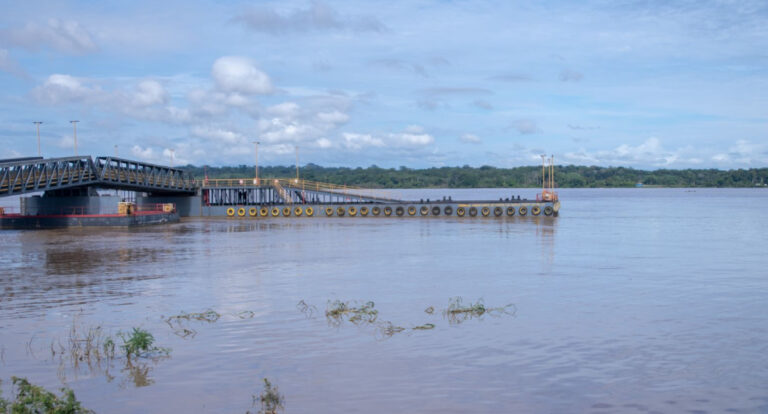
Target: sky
418 83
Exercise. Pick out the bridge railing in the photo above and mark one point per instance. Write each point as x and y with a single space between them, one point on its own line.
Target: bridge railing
138 174
42 174
37 174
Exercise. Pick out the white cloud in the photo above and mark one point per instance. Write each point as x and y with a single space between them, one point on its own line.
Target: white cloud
143 153
240 75
7 64
66 141
60 88
359 141
65 36
285 109
324 143
289 122
219 135
148 93
526 126
412 137
318 17
745 153
333 117
470 139
649 153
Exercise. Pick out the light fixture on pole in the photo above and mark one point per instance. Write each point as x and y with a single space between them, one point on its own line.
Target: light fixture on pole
74 126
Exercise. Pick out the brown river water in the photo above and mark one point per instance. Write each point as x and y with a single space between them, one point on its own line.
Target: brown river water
633 300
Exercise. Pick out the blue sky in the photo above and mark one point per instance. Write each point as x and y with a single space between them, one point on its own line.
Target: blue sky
646 84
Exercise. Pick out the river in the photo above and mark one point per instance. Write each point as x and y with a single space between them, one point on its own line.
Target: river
632 300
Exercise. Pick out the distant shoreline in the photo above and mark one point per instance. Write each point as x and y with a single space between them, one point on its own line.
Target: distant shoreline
491 177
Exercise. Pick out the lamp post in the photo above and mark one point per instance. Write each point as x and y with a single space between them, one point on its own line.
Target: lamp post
74 126
172 151
256 166
37 123
297 164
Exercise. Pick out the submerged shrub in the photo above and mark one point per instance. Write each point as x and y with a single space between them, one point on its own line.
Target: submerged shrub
270 400
31 398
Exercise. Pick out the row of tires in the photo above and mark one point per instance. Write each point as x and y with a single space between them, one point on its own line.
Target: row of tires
388 211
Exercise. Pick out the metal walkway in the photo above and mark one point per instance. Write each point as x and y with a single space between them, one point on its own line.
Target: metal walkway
33 175
226 192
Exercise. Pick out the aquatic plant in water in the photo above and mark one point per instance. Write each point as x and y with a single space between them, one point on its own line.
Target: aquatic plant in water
140 343
85 345
270 400
388 329
458 312
338 310
209 315
176 322
308 310
30 398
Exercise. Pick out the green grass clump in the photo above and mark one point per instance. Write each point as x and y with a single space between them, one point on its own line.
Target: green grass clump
31 398
140 343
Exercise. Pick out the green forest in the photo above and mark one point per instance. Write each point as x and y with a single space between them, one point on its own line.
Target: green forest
569 176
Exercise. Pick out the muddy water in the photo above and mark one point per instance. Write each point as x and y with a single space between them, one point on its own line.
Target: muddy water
631 301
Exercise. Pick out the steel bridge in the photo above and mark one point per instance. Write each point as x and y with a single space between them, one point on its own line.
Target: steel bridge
48 174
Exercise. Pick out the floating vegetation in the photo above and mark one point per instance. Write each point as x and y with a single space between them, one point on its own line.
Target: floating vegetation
308 310
338 310
458 312
140 343
425 327
177 322
31 398
388 329
270 400
246 314
430 310
209 315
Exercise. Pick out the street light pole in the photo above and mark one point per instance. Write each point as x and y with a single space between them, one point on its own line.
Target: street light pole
297 163
39 153
256 166
172 151
74 126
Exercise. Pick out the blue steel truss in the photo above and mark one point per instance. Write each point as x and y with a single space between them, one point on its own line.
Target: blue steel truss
27 176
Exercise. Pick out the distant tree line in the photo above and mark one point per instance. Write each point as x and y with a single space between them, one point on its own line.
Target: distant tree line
570 176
